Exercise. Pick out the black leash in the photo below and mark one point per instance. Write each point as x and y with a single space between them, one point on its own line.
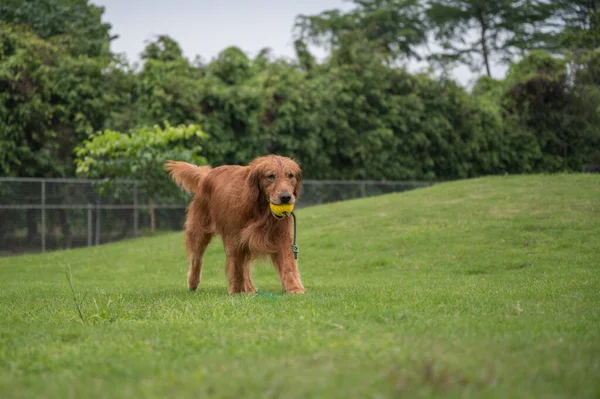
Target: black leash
295 249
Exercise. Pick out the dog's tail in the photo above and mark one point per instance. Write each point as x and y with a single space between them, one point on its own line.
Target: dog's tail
186 175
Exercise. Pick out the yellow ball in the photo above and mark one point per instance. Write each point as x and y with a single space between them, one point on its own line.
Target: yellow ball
282 210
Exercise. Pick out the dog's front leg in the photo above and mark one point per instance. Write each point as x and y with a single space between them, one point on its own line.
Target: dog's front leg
238 271
287 267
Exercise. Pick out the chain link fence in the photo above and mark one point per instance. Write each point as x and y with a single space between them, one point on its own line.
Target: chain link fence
38 215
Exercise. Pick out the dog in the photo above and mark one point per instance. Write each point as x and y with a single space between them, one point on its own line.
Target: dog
232 201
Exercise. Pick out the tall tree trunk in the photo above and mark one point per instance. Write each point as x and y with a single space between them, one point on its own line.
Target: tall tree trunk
484 48
152 215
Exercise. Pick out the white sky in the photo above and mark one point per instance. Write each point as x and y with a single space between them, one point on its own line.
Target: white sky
206 27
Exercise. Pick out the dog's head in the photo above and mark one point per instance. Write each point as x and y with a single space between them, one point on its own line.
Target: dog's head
274 179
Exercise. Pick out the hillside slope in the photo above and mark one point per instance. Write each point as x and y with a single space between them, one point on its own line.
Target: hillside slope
480 288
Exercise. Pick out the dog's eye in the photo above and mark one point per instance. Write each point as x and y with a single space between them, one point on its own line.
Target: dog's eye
291 176
271 176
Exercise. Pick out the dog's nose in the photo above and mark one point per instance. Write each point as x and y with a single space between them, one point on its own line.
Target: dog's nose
285 198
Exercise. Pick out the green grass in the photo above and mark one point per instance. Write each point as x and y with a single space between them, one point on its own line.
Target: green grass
480 288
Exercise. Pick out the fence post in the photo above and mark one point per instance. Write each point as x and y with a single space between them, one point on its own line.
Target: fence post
363 189
135 210
43 216
97 222
89 224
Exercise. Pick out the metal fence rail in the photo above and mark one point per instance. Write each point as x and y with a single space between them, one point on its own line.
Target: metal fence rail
46 214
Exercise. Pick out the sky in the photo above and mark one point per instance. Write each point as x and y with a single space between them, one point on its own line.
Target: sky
206 27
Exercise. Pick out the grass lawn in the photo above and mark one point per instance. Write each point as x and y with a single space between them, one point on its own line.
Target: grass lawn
481 288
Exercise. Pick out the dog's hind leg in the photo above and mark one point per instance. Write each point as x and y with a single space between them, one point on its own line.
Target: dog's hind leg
238 270
196 243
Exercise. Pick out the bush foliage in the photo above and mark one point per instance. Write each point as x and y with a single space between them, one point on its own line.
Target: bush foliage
355 115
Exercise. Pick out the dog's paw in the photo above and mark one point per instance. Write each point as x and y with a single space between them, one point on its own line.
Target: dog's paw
295 291
193 283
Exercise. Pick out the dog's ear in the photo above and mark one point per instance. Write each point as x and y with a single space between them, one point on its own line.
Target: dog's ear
253 182
298 186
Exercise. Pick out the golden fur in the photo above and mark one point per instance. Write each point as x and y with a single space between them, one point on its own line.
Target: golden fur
233 201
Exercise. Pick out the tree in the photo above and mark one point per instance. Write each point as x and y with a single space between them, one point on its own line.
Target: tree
579 21
140 155
26 79
74 24
371 121
164 48
49 102
305 58
394 27
168 86
475 32
232 66
549 113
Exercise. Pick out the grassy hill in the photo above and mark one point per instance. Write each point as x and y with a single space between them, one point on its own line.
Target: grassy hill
481 288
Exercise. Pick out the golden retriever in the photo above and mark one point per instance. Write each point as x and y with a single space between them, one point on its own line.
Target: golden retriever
233 201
